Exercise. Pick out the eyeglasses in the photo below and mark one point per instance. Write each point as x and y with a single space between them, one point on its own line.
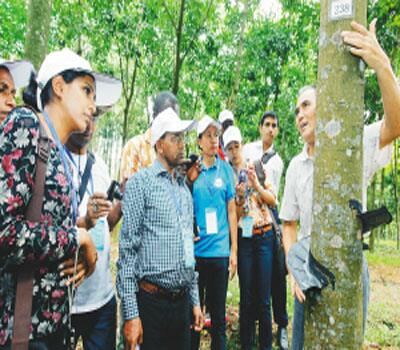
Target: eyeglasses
177 138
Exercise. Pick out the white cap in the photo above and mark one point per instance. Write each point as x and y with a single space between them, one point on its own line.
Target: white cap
225 115
205 122
168 121
108 89
231 134
19 70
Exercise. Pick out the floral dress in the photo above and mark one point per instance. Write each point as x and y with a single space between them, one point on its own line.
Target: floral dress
44 244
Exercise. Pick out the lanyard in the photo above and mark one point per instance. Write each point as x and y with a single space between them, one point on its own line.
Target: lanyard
77 169
178 204
66 164
211 186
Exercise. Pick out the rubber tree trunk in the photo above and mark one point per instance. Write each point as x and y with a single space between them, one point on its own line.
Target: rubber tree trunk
37 36
334 317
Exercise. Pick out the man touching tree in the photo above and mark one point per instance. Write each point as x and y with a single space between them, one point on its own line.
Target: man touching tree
377 147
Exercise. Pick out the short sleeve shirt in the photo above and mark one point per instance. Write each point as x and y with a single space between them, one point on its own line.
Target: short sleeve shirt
298 193
212 190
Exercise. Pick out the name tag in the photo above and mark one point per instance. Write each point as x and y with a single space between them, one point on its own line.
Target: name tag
97 233
247 226
211 221
188 248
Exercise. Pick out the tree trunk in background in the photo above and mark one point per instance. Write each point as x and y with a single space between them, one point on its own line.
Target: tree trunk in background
383 228
38 28
334 317
371 206
395 189
178 59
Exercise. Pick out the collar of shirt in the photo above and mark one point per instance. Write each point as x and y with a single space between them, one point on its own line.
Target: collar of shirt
304 156
159 170
214 165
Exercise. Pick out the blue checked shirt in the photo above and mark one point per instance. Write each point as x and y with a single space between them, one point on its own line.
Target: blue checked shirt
150 243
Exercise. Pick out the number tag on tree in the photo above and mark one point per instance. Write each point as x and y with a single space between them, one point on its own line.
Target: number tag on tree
340 9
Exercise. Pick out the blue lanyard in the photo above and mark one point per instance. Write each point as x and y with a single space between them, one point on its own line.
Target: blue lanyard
91 192
178 204
211 186
66 164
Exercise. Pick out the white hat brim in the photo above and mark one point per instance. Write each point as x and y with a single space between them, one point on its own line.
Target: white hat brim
20 71
108 89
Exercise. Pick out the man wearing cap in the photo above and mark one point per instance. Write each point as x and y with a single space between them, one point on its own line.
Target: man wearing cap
226 119
138 153
13 75
94 307
273 165
377 149
156 280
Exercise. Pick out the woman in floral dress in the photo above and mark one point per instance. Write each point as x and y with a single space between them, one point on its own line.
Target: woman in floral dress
66 98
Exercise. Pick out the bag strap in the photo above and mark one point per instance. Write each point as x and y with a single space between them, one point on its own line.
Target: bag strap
86 175
25 275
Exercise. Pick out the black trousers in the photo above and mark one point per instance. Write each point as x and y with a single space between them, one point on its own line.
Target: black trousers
166 323
279 290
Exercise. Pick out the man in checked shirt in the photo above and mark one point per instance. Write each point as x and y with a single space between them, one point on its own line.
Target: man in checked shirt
156 279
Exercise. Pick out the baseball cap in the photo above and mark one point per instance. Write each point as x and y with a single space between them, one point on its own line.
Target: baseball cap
205 122
168 121
19 70
226 114
231 134
108 89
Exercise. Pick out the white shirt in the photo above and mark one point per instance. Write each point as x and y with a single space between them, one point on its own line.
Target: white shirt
274 167
97 290
298 194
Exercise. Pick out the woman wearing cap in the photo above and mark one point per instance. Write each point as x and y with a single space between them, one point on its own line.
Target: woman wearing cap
215 214
65 95
255 244
13 75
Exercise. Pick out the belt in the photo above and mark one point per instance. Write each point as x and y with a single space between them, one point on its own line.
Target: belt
162 293
262 229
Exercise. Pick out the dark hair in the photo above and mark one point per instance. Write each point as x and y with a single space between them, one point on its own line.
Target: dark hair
269 114
227 123
164 100
29 94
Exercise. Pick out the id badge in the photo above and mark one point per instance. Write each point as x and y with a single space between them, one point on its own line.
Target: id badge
97 233
247 226
188 248
211 221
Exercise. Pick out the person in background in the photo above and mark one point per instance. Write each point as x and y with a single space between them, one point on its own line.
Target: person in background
377 150
273 165
215 215
255 244
138 153
13 76
226 119
94 308
64 93
156 280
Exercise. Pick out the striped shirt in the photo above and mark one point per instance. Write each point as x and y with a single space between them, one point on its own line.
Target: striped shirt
156 211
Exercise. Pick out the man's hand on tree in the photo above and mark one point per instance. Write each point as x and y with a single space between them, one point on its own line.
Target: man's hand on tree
365 45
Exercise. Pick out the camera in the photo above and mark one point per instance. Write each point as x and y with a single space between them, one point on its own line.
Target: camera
243 178
114 191
188 163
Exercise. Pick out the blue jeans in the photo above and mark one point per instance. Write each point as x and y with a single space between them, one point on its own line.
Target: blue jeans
298 318
97 328
213 285
255 273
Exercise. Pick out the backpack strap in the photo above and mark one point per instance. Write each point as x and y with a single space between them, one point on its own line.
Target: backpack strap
25 274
